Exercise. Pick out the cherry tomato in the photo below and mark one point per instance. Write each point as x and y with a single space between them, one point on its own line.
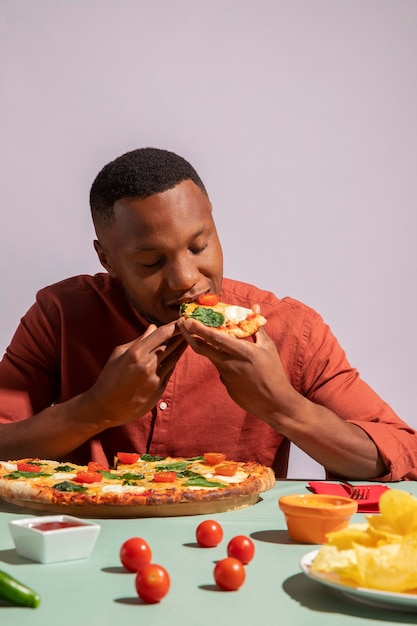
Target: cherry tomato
152 583
96 467
88 477
227 469
208 299
165 477
128 458
241 548
209 534
135 553
229 574
28 467
213 458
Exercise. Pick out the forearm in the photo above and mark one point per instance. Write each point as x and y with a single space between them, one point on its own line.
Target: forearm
52 433
344 449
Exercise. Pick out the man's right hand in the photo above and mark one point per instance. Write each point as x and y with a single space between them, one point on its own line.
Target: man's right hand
135 376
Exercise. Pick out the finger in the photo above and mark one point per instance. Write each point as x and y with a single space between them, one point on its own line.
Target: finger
167 349
212 343
154 337
131 344
167 365
261 336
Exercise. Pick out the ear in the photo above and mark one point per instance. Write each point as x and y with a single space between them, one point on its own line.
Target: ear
104 258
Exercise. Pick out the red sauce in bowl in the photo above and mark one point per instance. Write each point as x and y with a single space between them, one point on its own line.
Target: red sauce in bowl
55 525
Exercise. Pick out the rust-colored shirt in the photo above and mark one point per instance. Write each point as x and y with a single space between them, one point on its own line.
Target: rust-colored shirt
65 339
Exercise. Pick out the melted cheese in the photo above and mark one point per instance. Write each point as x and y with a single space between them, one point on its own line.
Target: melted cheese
10 467
112 488
235 313
64 476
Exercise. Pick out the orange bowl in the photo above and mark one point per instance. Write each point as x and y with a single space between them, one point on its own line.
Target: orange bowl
311 516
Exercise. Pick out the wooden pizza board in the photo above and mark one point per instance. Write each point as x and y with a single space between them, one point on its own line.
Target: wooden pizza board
159 510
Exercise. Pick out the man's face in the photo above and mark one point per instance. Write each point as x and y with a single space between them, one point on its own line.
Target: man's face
164 250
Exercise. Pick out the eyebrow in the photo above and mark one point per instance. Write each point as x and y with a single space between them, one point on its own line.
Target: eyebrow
154 249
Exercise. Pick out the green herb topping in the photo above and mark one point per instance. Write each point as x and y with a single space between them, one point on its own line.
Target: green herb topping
68 486
208 317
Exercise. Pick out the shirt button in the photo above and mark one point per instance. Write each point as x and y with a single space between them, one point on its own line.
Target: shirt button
163 406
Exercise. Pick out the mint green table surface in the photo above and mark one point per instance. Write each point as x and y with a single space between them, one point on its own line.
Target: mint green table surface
97 591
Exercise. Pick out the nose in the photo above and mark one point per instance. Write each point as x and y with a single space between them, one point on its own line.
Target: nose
182 273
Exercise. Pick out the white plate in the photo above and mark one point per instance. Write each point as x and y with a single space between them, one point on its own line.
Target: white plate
373 597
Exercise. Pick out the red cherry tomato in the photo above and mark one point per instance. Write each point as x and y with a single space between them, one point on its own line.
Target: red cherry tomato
229 574
88 477
96 467
226 469
213 458
135 553
241 548
128 458
209 534
28 467
165 477
208 299
152 583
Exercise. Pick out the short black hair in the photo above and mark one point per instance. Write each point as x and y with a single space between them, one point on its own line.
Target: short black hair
137 174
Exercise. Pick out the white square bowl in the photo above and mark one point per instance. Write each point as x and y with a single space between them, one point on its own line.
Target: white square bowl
54 538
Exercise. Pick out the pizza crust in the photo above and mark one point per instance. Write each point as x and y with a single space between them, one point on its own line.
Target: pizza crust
246 328
108 511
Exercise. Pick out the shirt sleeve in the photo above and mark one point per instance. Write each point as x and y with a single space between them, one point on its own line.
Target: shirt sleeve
327 378
29 370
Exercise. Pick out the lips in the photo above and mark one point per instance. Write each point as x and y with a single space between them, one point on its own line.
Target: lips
185 299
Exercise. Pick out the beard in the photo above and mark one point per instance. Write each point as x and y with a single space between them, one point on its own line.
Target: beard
135 305
149 317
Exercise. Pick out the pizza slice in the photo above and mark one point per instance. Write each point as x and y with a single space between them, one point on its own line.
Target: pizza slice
234 320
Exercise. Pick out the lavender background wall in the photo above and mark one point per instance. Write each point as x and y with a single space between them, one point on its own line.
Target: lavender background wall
300 116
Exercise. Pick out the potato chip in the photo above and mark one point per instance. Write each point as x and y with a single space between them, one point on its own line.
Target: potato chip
331 560
381 532
390 567
399 509
346 537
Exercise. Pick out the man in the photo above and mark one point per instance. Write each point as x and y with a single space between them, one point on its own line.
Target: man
102 364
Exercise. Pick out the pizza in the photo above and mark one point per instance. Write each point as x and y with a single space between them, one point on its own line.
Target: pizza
231 319
136 484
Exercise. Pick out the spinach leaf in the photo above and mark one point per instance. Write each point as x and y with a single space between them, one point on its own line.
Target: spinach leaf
187 474
109 475
19 474
65 468
200 481
151 457
208 317
177 466
68 486
129 476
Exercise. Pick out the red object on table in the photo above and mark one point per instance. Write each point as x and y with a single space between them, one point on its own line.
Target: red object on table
370 505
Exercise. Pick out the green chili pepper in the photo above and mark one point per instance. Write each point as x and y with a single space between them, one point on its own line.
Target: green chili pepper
15 592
